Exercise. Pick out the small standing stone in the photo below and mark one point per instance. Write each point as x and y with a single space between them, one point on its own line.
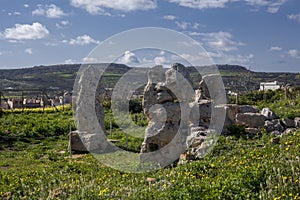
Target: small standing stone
269 114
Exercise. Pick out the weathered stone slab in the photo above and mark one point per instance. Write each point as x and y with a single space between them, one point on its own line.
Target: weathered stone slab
288 123
82 142
164 96
288 131
252 120
247 109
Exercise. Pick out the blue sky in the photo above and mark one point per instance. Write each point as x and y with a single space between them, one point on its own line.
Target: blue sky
262 35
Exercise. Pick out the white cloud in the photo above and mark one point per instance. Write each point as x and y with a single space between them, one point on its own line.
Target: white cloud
14 13
273 9
272 6
294 17
219 51
275 48
275 6
62 24
99 6
194 33
65 22
220 41
51 11
39 11
26 32
185 25
190 44
26 5
190 58
182 25
195 26
169 17
294 53
240 59
90 60
28 51
257 2
129 57
82 40
160 60
200 59
201 4
70 61
222 57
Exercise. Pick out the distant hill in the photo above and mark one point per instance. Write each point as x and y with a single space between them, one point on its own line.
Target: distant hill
61 77
55 76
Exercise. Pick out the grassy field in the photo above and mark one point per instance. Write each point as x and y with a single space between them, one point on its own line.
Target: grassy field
276 100
236 169
38 122
38 166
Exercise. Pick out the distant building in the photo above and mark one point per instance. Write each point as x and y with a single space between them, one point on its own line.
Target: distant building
67 98
9 88
15 103
23 103
4 105
56 102
231 93
269 86
31 103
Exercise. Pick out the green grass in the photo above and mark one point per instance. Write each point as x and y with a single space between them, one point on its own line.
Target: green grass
264 167
36 122
284 108
276 100
133 144
235 169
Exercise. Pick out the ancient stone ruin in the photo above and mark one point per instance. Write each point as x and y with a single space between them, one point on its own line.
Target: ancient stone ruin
162 108
88 97
177 114
163 95
180 119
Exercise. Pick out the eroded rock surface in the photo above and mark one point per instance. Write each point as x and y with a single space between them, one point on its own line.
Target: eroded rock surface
252 120
269 114
164 95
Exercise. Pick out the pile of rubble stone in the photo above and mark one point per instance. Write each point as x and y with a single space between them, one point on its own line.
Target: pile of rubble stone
168 95
162 107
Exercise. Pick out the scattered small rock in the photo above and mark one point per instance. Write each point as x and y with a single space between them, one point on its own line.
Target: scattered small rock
297 122
268 113
273 125
277 133
288 131
150 180
7 195
288 123
252 130
275 140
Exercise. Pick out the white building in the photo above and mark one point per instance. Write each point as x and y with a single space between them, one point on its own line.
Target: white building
269 86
